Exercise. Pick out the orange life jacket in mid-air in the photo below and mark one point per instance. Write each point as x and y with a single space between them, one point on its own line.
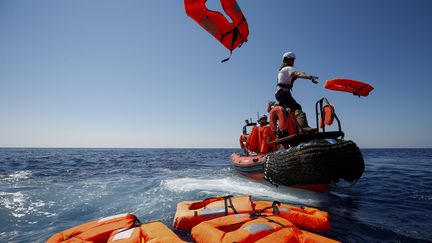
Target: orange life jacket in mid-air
230 34
348 85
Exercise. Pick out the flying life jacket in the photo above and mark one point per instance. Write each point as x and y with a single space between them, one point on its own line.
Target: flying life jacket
281 120
305 218
96 231
230 34
151 232
328 114
191 213
348 85
263 228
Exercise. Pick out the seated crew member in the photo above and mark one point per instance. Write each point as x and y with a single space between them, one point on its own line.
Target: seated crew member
263 121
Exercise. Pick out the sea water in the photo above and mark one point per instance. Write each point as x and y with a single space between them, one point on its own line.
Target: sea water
44 191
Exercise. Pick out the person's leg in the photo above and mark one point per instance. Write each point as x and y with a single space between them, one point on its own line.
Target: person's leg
300 115
286 100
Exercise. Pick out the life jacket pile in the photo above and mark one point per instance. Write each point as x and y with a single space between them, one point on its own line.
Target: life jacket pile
252 228
191 213
218 219
122 228
259 140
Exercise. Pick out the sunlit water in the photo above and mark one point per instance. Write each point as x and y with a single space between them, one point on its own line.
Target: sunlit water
43 191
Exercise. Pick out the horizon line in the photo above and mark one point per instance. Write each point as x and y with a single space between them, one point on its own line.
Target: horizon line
47 147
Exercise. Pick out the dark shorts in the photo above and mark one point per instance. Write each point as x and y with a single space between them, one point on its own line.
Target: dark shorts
285 99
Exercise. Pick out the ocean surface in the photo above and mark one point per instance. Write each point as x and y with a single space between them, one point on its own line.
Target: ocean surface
44 191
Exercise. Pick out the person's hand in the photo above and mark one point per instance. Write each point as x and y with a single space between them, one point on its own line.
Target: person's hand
314 79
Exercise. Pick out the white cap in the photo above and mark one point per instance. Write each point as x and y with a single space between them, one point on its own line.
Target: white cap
289 54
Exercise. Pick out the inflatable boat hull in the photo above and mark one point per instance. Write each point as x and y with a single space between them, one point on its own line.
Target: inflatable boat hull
312 165
253 167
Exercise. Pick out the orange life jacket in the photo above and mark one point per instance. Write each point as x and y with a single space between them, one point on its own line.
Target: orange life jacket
95 231
253 140
243 140
231 35
259 140
155 232
306 218
328 114
348 85
266 136
252 228
191 213
280 119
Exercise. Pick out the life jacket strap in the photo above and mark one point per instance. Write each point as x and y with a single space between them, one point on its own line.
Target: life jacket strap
258 215
236 33
357 90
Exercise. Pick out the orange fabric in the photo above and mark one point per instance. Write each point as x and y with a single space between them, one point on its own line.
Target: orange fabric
217 25
243 140
154 232
259 140
308 218
349 85
267 136
292 235
253 141
280 119
242 228
94 231
191 213
328 113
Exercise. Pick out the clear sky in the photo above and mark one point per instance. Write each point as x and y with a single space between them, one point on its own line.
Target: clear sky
110 73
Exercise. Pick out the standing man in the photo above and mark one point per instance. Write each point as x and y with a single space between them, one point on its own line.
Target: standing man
286 78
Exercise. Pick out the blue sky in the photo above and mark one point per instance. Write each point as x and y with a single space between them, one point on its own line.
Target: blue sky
143 74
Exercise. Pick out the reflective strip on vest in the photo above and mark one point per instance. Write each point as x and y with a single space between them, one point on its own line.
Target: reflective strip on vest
256 228
112 217
214 211
286 210
126 234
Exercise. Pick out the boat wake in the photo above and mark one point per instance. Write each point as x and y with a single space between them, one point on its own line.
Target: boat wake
238 186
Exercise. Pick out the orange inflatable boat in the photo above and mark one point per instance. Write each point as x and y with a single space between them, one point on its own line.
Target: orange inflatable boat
283 154
252 228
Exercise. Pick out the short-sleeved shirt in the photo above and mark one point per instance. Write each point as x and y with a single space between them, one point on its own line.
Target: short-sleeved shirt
285 79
